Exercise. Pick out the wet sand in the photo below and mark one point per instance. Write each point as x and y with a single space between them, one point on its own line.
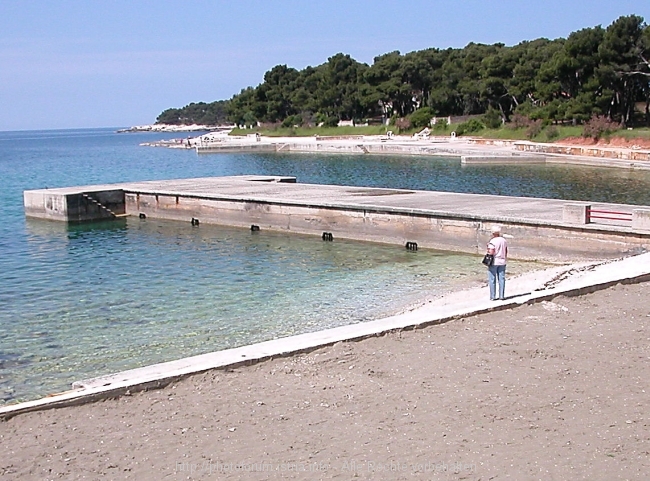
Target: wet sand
550 391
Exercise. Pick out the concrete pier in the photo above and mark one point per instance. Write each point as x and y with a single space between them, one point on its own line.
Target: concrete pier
540 229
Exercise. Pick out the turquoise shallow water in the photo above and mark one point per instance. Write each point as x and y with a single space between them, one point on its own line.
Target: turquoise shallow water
80 301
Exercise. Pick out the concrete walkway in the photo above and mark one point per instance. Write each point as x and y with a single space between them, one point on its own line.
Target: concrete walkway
533 287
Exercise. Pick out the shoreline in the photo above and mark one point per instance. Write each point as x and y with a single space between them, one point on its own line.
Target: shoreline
532 390
410 301
470 150
529 288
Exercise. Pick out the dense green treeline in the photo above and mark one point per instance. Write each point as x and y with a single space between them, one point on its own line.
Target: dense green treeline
200 113
594 72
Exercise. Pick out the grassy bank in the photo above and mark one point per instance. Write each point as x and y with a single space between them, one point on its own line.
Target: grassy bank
551 133
634 134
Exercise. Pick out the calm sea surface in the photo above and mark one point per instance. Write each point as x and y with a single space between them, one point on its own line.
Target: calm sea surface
81 301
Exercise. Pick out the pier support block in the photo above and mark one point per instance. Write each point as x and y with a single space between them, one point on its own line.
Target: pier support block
641 219
576 213
74 204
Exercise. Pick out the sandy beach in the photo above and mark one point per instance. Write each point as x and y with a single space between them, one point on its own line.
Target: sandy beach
549 391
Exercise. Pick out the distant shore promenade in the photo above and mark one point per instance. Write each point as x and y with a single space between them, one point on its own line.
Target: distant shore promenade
470 150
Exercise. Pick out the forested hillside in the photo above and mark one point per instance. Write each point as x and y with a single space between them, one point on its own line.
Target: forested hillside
595 71
196 113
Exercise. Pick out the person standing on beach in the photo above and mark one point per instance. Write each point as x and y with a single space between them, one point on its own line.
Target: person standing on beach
498 247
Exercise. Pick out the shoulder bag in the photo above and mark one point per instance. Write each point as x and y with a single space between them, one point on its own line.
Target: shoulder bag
488 260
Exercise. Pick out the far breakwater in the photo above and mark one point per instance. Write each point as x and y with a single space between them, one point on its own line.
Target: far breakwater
469 150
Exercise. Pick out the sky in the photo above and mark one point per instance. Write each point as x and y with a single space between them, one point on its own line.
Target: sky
96 63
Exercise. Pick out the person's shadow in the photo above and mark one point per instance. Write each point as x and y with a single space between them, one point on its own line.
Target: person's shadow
515 296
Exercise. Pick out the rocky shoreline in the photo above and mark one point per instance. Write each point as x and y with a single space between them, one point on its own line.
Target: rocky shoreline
174 128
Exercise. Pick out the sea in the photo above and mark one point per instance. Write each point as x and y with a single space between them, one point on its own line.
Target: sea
79 301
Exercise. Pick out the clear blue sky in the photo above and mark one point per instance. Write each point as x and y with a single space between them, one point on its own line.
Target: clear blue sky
92 63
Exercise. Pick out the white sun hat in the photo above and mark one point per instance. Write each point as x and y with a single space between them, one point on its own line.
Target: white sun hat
496 229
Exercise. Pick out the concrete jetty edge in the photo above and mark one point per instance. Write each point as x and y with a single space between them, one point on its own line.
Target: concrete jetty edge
540 286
